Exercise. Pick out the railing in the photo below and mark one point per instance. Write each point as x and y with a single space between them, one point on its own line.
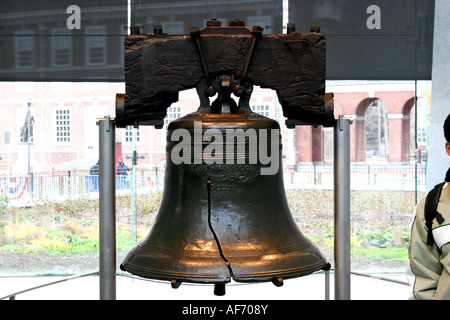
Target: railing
12 296
66 184
372 177
63 184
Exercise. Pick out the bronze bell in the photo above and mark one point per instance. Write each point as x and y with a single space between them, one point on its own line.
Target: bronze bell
224 213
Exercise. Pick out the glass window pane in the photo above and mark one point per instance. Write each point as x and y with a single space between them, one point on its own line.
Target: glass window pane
176 17
49 170
372 40
62 40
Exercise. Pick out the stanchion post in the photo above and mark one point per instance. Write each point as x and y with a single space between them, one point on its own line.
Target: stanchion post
342 208
107 195
327 284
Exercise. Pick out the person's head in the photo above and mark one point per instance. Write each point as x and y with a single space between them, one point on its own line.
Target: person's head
447 134
120 159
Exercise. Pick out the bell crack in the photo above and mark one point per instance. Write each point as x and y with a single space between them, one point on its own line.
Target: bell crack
227 263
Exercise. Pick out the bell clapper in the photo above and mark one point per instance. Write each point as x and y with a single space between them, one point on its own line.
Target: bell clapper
219 289
278 282
175 284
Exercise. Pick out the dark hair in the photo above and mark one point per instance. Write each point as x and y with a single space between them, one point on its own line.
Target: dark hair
447 128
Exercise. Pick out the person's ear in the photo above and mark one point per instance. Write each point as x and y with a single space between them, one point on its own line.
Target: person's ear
447 147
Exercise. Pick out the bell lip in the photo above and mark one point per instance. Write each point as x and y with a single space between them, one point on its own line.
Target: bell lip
285 274
170 275
212 278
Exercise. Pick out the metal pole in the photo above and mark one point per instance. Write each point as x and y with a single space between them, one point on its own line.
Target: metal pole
133 187
107 188
30 181
342 208
28 138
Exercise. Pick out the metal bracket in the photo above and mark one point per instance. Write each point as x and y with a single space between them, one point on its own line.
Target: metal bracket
195 35
417 156
134 158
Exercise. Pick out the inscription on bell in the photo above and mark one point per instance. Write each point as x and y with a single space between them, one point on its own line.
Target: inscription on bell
229 146
225 177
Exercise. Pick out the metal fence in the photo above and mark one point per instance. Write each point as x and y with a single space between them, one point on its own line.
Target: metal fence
373 177
63 184
21 188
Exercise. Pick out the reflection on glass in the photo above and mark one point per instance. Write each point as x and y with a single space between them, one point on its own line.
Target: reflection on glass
49 218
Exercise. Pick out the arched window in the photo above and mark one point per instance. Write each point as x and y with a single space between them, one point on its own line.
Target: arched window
376 130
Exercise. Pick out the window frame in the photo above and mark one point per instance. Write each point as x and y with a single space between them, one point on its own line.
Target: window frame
67 127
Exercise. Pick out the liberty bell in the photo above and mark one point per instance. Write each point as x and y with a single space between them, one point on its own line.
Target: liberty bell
224 214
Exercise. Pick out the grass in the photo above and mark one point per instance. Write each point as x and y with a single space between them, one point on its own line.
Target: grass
70 226
395 254
379 229
380 222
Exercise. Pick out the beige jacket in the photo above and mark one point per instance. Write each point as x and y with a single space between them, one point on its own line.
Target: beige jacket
428 270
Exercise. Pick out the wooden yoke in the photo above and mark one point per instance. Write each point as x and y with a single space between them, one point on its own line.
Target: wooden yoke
158 67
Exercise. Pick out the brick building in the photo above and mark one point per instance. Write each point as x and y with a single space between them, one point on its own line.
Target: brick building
64 130
37 44
398 99
65 133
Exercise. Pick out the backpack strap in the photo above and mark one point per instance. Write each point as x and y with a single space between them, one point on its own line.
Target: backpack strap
431 204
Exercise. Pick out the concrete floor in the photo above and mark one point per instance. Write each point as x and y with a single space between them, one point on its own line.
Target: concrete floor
310 287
